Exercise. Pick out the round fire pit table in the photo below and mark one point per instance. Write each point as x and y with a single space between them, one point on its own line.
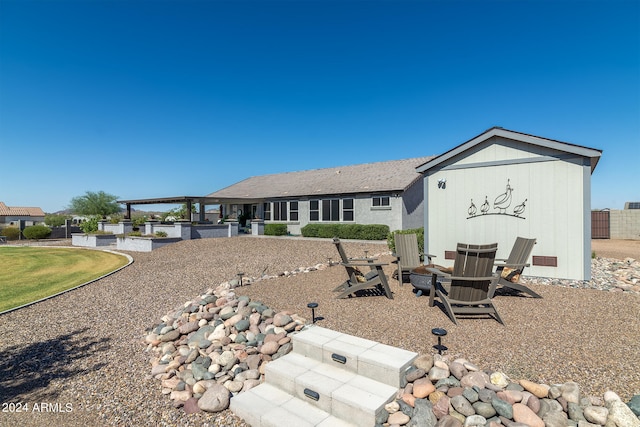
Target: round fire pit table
420 279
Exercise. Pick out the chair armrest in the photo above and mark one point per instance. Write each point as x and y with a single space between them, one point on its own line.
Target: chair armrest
437 272
362 259
473 279
500 261
363 264
515 266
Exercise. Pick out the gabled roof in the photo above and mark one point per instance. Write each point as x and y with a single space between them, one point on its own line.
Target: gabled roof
19 211
566 147
394 175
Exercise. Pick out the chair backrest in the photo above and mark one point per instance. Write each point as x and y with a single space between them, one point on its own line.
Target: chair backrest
521 251
343 254
407 249
473 261
353 272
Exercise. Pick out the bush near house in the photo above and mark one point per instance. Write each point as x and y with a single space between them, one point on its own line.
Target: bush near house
37 232
11 233
275 229
347 231
419 231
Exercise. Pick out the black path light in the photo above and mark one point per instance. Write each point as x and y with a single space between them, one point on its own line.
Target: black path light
313 306
439 332
240 274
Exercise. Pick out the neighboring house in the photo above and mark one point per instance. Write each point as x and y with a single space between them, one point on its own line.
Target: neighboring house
12 215
503 184
387 193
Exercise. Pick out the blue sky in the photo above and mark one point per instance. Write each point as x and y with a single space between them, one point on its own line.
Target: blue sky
164 98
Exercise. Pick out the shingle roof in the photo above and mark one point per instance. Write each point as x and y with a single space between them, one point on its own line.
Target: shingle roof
19 211
394 175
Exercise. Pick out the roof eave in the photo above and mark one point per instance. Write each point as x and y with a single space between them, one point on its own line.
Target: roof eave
592 153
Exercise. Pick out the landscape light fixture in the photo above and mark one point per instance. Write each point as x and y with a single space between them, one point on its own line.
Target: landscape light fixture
439 332
313 306
240 274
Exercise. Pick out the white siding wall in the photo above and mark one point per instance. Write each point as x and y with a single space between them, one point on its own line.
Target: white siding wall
554 209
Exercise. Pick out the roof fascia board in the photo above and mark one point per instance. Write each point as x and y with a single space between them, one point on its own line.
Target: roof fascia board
516 136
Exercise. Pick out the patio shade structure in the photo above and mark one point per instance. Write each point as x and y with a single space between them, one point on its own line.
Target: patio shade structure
188 200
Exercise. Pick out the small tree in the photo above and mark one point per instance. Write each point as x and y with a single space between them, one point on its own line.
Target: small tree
93 203
55 220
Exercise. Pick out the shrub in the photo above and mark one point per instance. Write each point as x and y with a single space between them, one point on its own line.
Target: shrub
161 234
275 229
347 231
11 233
135 234
37 232
90 225
138 221
419 231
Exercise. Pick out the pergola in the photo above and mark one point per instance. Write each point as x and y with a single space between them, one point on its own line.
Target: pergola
188 200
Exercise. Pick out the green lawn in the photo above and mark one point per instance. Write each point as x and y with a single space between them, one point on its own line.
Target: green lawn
28 273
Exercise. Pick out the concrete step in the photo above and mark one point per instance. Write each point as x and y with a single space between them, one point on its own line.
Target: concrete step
268 406
329 379
368 358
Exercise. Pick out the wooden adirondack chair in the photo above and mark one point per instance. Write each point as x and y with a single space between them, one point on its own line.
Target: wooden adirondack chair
373 280
510 269
471 285
407 253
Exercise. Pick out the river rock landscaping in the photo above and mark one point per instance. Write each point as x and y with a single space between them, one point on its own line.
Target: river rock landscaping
218 344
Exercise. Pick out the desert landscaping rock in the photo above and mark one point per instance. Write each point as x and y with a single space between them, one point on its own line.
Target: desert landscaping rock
110 382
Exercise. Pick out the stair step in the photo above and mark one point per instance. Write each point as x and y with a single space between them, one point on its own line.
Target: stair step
329 379
268 406
368 358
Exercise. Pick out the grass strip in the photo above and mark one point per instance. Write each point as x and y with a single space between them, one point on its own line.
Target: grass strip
28 274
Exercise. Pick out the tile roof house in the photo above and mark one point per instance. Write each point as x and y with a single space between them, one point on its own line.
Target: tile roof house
11 215
387 193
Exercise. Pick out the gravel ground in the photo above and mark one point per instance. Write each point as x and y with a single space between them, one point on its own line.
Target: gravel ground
83 350
616 248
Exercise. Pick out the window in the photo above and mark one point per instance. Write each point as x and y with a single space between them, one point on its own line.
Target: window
293 211
314 210
380 201
279 211
331 210
267 211
347 209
